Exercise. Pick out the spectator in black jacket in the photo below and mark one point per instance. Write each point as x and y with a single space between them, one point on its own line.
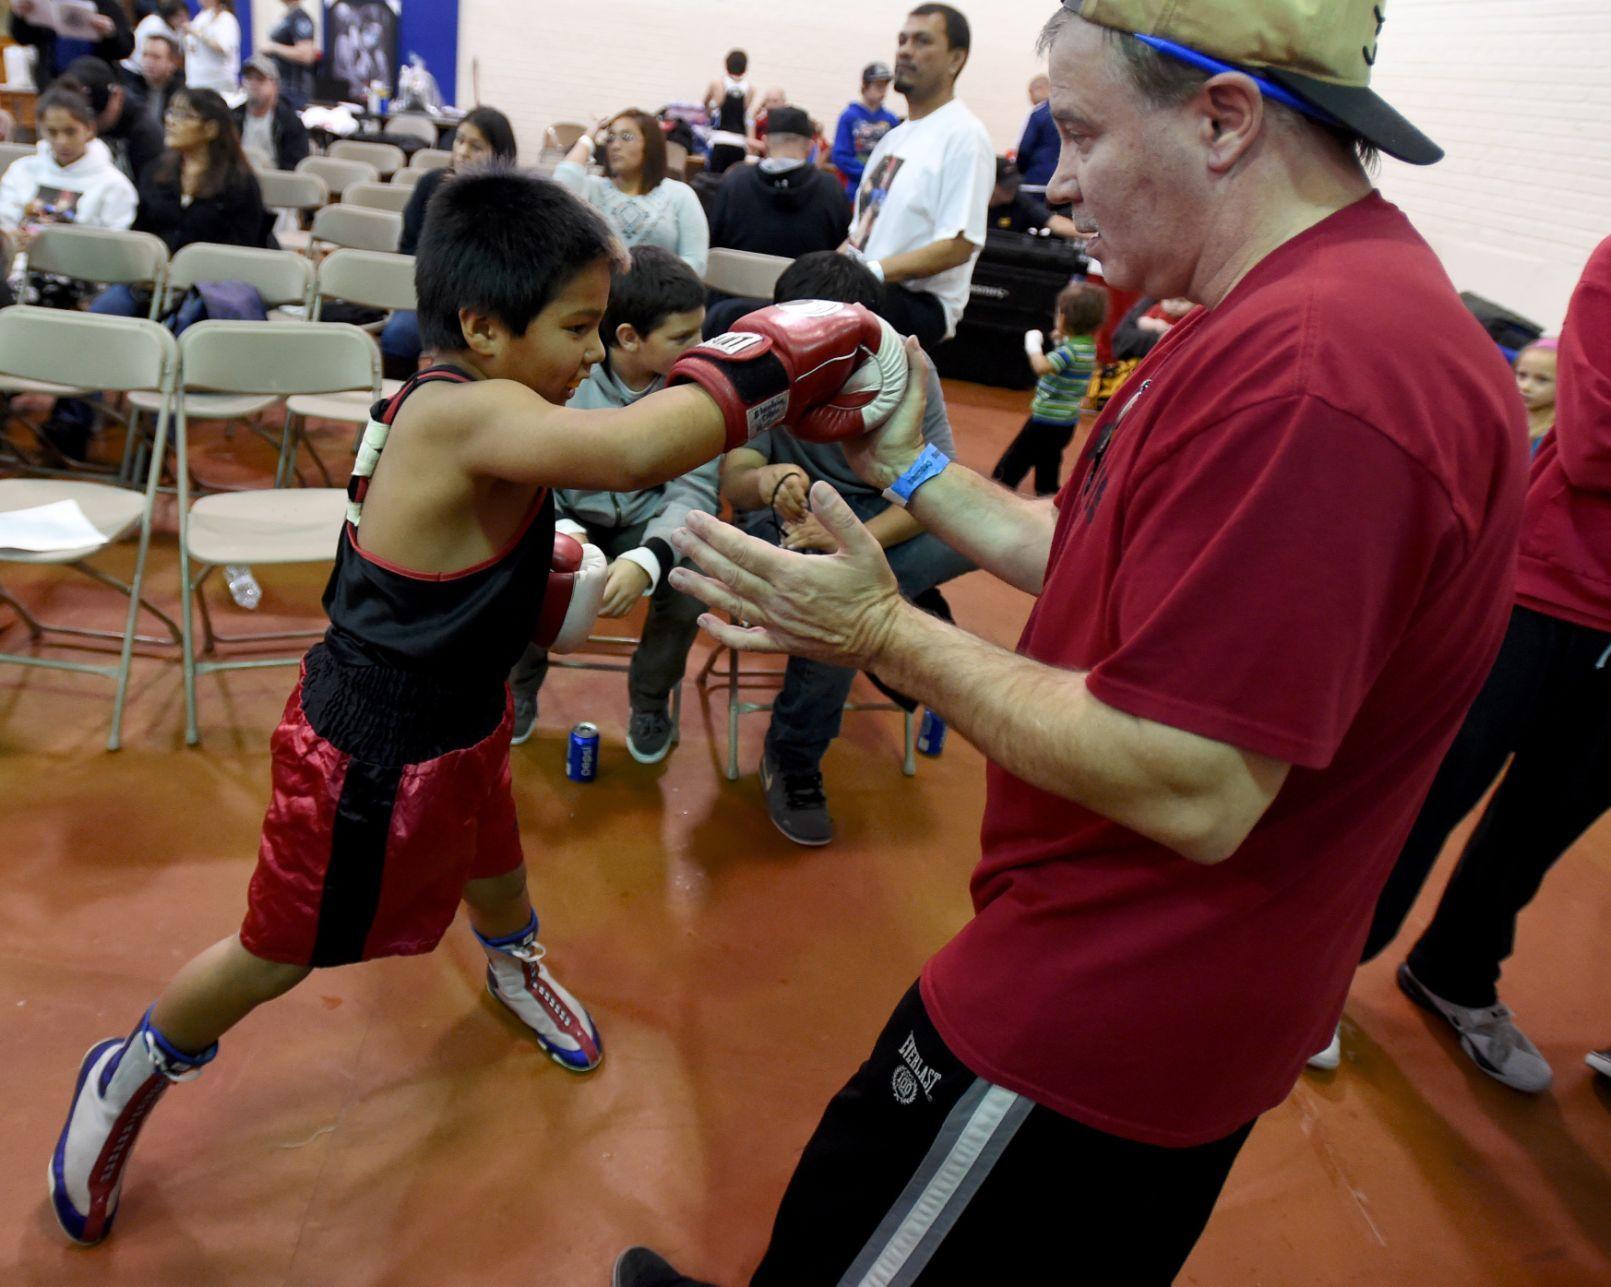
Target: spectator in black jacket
782 206
134 138
161 75
200 189
483 137
265 120
56 54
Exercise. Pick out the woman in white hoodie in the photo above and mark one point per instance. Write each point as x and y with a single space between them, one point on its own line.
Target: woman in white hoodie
70 178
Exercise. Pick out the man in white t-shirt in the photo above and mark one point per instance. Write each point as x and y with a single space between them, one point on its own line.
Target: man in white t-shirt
920 210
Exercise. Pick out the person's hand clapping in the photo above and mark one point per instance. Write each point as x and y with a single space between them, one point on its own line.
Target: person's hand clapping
809 536
102 25
624 584
784 487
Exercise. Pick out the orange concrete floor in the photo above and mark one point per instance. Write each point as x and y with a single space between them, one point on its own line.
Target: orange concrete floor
386 1125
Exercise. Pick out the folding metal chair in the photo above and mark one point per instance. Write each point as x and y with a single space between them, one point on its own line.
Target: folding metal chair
293 192
358 228
407 178
387 158
412 125
378 196
113 353
338 175
265 527
744 273
430 158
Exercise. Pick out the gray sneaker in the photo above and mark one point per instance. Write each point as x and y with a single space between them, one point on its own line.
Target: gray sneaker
650 736
525 718
1488 1035
1600 1061
797 804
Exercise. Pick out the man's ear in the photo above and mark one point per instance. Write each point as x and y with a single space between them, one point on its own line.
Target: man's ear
1231 112
627 337
483 335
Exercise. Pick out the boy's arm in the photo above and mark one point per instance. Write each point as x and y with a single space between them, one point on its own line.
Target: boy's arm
506 431
695 490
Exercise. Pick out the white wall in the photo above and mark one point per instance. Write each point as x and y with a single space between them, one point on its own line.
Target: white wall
542 61
1519 94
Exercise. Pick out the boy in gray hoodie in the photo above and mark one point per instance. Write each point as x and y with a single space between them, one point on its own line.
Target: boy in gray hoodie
655 313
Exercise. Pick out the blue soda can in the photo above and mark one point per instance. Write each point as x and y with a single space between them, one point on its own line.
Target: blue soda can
931 734
582 753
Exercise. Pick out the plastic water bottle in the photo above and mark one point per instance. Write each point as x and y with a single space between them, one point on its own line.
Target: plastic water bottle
243 586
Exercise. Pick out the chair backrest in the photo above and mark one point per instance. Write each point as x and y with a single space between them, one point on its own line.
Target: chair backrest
292 190
412 125
257 158
408 177
369 278
743 272
378 196
338 175
561 136
86 350
361 229
676 160
10 152
99 255
385 157
430 158
279 276
278 358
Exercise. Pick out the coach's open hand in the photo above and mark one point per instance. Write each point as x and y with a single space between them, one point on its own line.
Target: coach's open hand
840 608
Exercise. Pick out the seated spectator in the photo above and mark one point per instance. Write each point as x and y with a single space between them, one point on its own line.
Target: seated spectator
654 316
483 137
200 189
770 101
167 19
56 55
863 124
783 206
1014 210
267 123
159 78
643 206
768 481
70 177
213 47
134 138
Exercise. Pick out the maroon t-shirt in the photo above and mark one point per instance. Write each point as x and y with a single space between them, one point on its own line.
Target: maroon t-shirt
1294 531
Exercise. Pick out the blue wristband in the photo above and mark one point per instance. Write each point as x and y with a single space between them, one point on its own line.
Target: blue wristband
930 462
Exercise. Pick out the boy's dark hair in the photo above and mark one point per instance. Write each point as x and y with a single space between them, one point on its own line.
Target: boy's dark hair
174 9
826 274
500 242
654 146
958 35
92 78
495 128
655 285
738 62
65 97
1081 308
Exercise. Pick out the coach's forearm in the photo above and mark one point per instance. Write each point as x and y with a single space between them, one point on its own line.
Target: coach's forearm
1008 535
1198 797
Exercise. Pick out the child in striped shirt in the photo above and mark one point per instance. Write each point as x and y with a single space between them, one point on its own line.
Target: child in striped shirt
1064 374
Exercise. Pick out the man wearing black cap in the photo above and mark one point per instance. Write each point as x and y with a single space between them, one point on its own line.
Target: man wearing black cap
267 123
1264 601
784 205
863 124
135 139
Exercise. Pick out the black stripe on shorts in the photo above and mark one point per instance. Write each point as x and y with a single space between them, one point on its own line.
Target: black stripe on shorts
352 877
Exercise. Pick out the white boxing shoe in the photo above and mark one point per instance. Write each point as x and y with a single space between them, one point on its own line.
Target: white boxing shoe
119 1084
1329 1059
517 977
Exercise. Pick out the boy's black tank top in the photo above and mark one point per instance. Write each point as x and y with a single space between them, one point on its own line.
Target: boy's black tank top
454 632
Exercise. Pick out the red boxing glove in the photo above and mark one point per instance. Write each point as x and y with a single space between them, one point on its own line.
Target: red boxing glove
828 371
576 580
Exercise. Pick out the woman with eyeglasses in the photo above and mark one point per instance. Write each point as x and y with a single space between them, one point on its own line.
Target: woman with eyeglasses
641 204
201 189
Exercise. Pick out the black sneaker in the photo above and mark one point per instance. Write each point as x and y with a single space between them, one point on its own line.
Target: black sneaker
650 736
525 718
796 802
640 1267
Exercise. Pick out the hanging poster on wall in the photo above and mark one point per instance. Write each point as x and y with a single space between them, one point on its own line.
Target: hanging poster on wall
360 45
